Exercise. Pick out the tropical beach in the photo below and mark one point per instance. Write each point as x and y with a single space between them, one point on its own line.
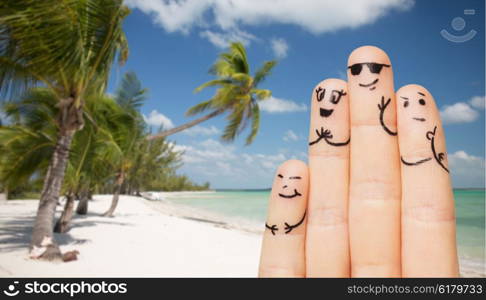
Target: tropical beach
172 139
143 240
181 234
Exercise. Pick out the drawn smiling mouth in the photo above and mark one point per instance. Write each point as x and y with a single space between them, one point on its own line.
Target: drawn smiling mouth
419 119
370 84
326 112
296 194
416 162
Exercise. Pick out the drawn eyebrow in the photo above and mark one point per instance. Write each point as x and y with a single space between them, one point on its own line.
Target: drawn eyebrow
280 175
404 97
421 93
295 177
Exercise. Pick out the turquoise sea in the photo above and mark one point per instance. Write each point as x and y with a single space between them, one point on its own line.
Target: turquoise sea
250 206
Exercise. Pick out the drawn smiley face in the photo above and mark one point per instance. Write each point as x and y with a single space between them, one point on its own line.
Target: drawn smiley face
373 68
369 68
418 100
418 118
329 113
334 96
288 190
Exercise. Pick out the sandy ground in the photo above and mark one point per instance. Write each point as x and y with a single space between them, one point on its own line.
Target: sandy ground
139 241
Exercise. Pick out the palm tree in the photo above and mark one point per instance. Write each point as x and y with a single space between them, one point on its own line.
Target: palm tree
30 139
237 94
127 131
86 165
68 46
154 159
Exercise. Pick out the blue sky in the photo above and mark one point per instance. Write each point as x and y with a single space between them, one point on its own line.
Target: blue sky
173 44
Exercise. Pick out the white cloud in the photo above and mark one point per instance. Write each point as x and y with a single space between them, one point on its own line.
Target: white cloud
199 130
208 150
173 15
290 136
467 170
223 39
459 112
211 160
276 105
478 102
158 119
279 47
314 16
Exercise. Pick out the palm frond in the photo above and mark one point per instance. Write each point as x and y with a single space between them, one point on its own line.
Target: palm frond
221 82
263 72
68 45
242 78
261 94
239 57
234 122
200 107
255 124
130 93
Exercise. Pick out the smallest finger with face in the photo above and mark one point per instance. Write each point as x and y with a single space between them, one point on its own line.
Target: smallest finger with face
284 236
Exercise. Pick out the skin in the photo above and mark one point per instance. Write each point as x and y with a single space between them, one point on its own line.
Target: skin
283 253
327 251
381 206
428 220
374 192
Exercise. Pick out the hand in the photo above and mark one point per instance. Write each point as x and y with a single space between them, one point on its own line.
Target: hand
380 206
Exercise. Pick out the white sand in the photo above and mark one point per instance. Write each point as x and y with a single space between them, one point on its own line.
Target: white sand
144 239
139 241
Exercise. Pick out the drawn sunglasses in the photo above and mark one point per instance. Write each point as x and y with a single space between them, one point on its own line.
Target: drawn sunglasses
374 68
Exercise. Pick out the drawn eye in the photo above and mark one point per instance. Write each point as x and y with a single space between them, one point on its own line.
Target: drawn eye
405 104
336 96
422 102
320 93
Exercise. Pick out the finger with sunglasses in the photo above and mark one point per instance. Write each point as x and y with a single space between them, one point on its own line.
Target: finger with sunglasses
374 193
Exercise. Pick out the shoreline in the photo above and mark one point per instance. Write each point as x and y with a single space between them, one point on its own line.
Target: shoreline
159 202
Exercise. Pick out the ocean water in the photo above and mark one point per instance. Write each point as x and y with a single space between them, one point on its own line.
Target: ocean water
251 207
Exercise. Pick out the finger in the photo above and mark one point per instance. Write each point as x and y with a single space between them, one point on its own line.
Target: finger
327 242
284 237
374 199
428 221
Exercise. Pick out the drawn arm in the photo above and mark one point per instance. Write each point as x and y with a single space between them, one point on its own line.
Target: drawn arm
288 228
272 228
439 157
382 107
327 135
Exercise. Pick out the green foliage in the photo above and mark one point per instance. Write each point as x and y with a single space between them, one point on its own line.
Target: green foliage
67 45
237 92
29 141
112 141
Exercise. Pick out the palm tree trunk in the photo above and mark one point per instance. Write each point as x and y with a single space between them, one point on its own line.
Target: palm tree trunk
82 208
62 224
190 124
42 235
116 195
70 120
